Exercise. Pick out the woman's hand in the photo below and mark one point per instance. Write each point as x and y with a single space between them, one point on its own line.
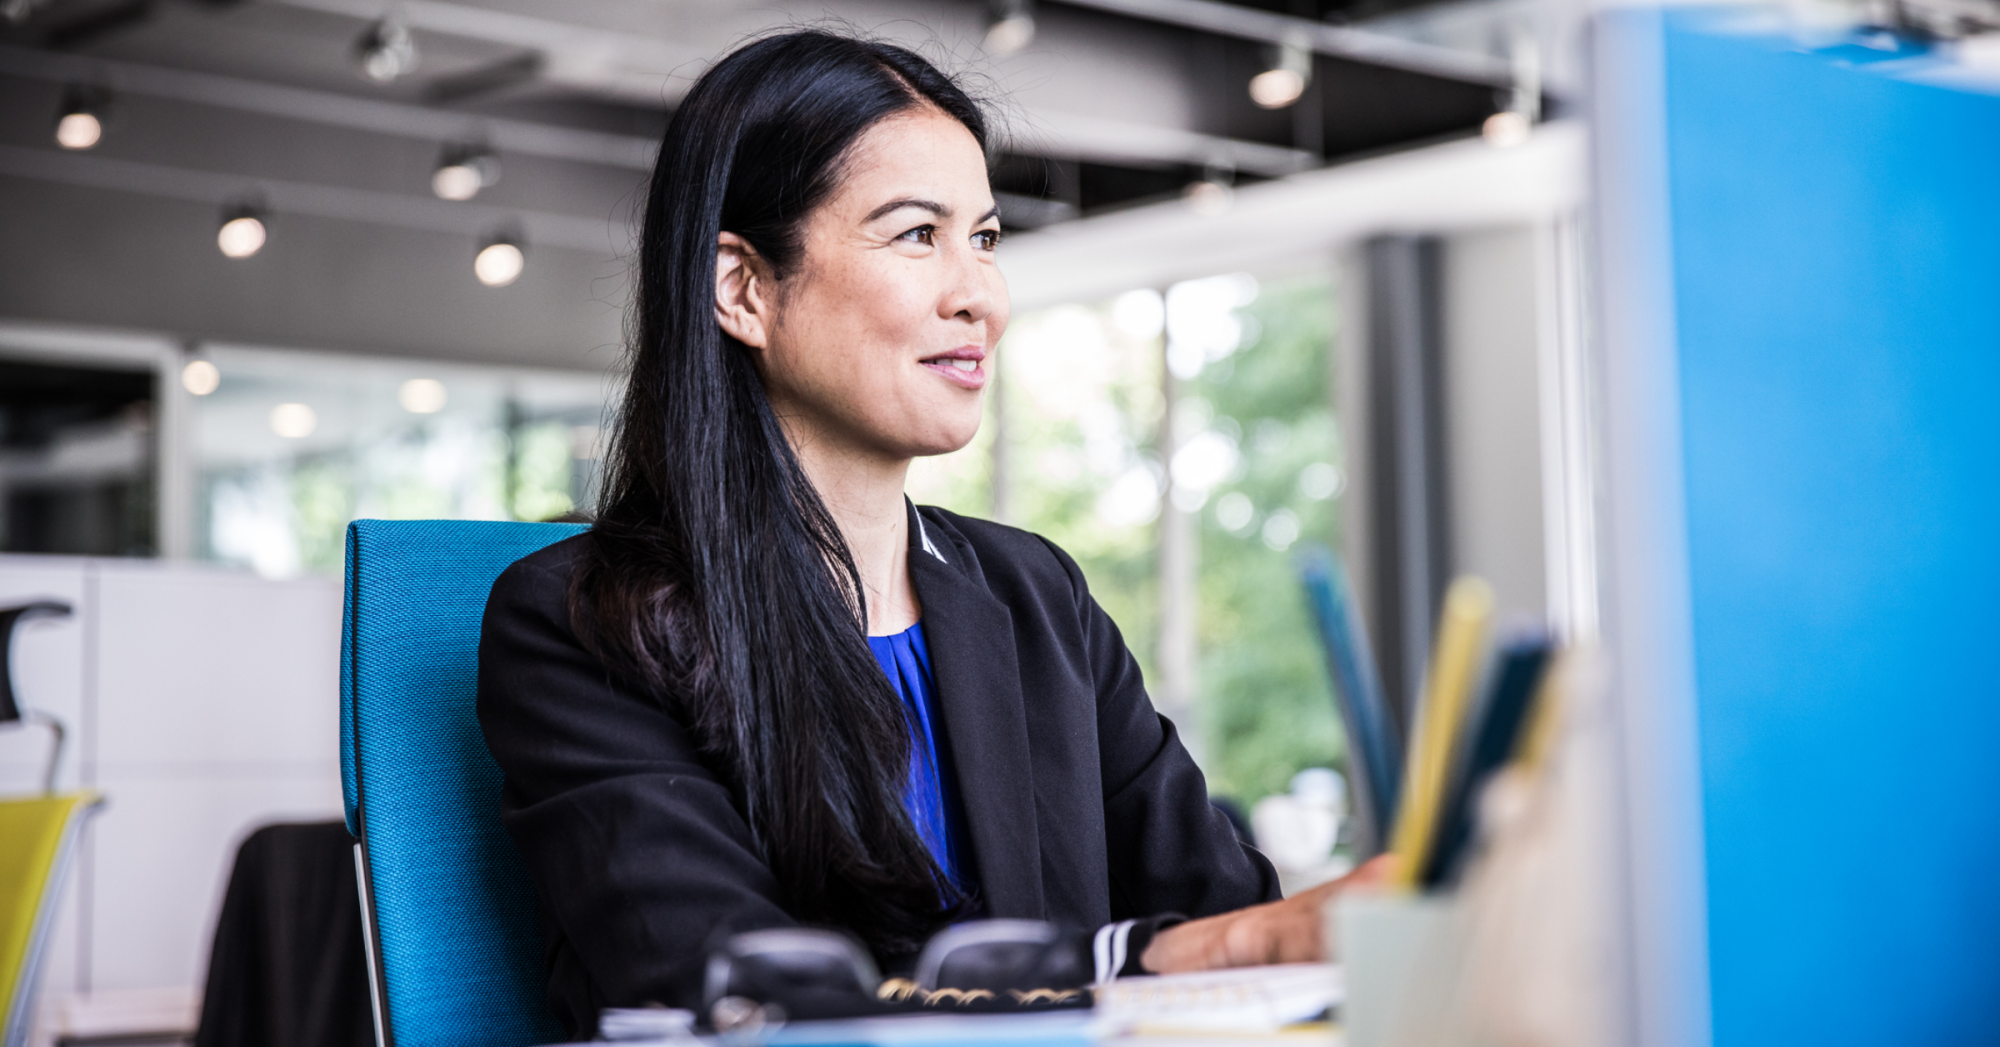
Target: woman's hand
1288 931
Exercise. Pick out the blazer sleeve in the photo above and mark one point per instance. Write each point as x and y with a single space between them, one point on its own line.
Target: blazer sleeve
638 851
1170 851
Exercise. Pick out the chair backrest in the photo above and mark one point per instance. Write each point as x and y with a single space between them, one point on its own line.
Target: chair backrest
37 839
454 943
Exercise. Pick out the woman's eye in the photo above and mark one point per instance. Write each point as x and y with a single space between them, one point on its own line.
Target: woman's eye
986 239
923 234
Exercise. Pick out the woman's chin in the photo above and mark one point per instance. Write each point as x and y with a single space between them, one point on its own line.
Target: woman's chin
931 445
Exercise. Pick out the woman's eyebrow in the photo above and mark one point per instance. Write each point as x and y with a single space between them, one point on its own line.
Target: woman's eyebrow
932 206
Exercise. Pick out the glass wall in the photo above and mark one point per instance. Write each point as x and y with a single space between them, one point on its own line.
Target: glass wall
289 447
1079 446
1260 424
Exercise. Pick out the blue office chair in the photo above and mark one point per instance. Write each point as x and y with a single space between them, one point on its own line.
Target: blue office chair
454 947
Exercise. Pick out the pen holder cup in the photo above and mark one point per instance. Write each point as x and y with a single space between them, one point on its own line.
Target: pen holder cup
1400 954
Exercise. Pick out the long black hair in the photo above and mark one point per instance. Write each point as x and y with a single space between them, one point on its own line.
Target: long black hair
714 577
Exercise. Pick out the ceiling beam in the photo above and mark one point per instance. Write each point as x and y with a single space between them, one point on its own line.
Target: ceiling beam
629 67
335 110
1040 133
1466 184
1249 23
98 26
487 80
636 67
472 221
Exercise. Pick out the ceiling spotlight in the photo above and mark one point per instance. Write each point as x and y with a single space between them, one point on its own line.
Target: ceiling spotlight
463 170
79 130
1214 192
1009 26
1286 79
421 396
242 232
1506 128
201 377
500 260
385 50
80 121
293 421
1208 198
1520 104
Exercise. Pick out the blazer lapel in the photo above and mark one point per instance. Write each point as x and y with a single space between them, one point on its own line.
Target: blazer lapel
971 641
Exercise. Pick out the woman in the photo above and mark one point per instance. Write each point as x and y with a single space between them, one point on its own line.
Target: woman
764 689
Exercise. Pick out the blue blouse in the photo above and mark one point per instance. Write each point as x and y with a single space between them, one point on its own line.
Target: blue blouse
932 797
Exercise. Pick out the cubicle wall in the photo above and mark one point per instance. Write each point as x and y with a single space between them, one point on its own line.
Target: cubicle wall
1801 248
203 702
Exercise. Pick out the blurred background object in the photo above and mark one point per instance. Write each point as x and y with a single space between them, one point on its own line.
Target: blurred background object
287 968
1298 830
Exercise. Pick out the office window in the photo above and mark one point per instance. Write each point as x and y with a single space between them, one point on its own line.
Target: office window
1081 446
1080 409
289 447
1266 702
78 460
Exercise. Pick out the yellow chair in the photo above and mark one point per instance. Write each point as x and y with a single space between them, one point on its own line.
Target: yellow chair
37 840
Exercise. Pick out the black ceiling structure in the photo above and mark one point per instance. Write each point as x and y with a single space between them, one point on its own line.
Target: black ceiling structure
211 103
1351 108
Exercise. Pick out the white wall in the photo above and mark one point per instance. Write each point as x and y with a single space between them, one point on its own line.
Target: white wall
203 703
1493 413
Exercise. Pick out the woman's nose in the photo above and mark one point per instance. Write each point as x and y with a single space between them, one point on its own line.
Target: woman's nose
972 290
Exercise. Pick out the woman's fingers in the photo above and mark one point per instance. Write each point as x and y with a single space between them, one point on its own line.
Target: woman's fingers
1288 931
1373 873
1197 945
1255 935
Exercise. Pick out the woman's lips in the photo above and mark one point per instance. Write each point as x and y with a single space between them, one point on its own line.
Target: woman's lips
961 367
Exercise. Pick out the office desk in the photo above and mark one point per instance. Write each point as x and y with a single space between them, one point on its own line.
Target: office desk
1250 1006
1076 1029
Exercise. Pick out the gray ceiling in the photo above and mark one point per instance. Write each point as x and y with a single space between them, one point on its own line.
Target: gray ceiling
216 102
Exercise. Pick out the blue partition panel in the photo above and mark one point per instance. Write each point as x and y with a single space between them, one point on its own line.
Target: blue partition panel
1836 277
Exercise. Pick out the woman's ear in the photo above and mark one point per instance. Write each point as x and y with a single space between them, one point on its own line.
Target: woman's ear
743 298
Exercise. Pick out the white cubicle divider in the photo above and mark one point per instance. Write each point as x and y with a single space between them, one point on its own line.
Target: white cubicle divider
204 703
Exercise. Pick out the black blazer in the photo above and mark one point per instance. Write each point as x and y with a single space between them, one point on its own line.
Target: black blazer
1082 804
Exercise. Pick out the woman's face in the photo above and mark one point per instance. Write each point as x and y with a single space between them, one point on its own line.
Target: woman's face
881 339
